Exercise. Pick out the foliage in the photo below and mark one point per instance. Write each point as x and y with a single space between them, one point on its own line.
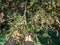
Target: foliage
40 18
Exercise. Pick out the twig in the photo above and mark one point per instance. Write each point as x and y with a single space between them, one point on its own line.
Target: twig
26 28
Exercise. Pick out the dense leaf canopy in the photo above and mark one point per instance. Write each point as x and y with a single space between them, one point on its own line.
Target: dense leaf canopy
40 18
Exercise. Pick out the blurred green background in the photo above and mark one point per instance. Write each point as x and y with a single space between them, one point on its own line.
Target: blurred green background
41 18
